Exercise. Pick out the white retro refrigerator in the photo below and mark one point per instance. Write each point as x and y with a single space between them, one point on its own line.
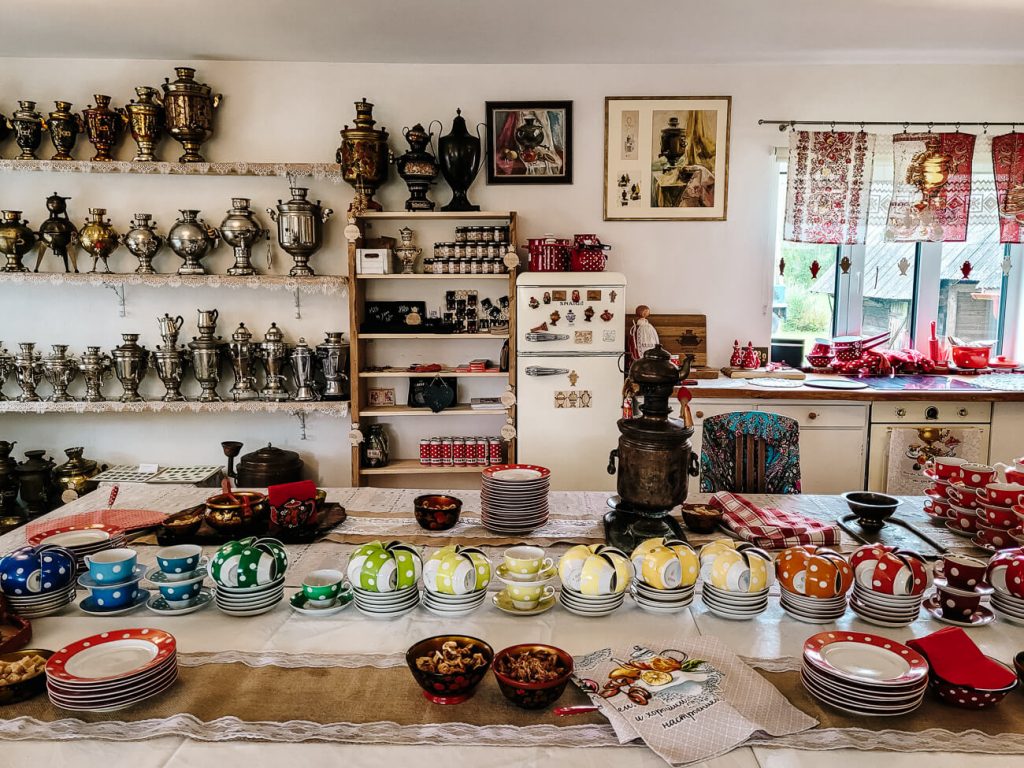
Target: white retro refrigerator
569 357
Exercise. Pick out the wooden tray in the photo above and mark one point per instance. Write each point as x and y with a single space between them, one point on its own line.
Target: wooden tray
332 515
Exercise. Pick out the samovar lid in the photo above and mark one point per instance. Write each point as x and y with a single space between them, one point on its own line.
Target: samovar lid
241 333
273 333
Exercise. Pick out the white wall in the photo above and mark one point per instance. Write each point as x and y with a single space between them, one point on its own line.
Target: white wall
292 112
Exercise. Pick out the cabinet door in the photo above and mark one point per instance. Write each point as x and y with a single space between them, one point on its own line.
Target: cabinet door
831 460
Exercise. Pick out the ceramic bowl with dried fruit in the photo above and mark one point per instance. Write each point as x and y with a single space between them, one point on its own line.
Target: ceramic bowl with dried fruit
436 512
449 667
532 675
700 518
22 674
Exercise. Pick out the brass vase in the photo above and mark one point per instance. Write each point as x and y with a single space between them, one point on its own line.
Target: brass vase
64 127
364 157
98 238
145 121
188 110
104 127
28 129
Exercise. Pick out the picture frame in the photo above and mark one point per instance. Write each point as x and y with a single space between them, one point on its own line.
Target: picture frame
380 396
666 158
529 142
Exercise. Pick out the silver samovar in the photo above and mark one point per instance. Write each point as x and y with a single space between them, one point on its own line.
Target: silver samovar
274 352
28 371
142 242
300 229
145 121
170 327
302 358
95 367
205 351
241 229
243 355
130 362
60 370
169 359
189 108
333 354
191 238
6 366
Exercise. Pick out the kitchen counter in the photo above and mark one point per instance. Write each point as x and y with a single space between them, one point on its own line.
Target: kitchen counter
731 389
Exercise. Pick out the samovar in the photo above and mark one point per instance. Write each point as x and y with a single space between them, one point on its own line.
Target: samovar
243 355
73 478
205 351
273 353
143 242
364 155
300 229
35 475
302 358
170 362
145 122
241 229
170 327
407 252
60 370
673 142
418 168
63 126
98 238
458 153
654 458
95 366
103 127
28 371
28 129
188 110
9 481
191 239
130 362
6 366
16 239
58 233
333 354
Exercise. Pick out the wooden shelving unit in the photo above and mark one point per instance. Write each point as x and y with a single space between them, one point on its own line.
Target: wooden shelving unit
358 352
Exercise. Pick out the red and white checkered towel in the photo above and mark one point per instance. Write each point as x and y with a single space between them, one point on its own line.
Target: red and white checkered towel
771 528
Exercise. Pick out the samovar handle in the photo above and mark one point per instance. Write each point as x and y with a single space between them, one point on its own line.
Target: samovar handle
179 321
216 314
272 213
217 99
325 214
694 468
430 135
611 460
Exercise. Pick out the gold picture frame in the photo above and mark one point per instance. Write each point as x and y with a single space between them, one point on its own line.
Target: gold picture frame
666 158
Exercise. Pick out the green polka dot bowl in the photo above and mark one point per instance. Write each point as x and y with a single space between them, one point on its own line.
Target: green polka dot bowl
249 562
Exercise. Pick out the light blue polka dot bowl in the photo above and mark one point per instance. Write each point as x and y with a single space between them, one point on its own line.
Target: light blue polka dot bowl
114 596
112 566
180 595
179 561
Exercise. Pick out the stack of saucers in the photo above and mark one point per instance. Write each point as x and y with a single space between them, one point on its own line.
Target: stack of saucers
249 574
666 572
594 579
591 606
1005 574
864 674
81 540
38 582
384 579
514 497
386 605
455 581
888 586
814 583
737 577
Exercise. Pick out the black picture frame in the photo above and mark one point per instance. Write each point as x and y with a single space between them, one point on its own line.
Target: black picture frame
505 168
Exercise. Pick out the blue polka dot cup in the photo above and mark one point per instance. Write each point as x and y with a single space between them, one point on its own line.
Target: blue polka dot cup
322 588
179 561
114 596
112 566
180 595
31 571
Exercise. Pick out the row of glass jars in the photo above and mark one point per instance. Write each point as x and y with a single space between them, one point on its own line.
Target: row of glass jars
463 266
469 250
481 234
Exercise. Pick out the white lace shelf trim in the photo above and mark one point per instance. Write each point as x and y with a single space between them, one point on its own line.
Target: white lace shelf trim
338 408
324 171
326 285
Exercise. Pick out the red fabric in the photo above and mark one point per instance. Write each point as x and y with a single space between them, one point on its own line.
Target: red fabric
955 658
1008 168
882 362
126 519
772 528
303 490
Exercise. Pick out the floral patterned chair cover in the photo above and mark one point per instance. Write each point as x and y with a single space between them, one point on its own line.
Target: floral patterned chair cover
750 452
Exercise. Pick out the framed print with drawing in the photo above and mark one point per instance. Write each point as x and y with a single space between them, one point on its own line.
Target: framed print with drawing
529 142
666 158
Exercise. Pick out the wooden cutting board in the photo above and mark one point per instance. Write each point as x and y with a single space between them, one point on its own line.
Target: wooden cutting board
684 335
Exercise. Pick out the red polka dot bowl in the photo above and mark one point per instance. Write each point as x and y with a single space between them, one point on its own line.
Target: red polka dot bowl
448 686
969 697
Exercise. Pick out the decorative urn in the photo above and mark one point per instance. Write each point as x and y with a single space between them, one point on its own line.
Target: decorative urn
243 354
35 474
188 109
206 350
28 371
274 353
458 152
9 481
95 367
407 252
60 370
130 362
240 230
103 126
28 129
143 242
6 366
63 126
145 122
364 156
300 230
302 359
333 354
673 141
191 239
98 238
58 233
418 168
16 239
73 478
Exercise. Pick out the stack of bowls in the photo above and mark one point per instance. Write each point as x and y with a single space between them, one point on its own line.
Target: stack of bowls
455 581
113 583
38 581
324 593
959 586
665 575
179 574
814 582
594 579
889 585
736 579
1005 573
526 574
514 497
384 579
249 574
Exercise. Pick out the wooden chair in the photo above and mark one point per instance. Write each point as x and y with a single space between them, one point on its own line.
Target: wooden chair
750 452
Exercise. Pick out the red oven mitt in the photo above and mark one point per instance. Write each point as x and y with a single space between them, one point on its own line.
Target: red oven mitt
955 658
303 490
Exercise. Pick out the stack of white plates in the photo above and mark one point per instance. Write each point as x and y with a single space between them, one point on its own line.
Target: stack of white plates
813 610
81 540
514 497
883 609
1006 606
733 605
591 606
661 600
386 605
441 604
864 674
37 605
249 601
112 670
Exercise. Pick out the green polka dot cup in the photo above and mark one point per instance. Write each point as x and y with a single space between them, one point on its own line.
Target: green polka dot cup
359 557
526 560
322 588
379 572
481 567
408 566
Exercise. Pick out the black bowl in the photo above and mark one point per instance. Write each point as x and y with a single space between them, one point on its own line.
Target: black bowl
453 688
872 508
437 512
533 695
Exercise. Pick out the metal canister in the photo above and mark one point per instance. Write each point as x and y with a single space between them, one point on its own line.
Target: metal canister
447 451
481 451
435 451
425 451
459 451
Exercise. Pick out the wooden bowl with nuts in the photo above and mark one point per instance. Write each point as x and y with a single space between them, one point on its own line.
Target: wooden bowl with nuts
22 674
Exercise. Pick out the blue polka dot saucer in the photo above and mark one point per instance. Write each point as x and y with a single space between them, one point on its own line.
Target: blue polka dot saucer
87 581
156 576
91 604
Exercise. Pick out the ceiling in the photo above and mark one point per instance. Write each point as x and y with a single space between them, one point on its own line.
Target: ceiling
521 31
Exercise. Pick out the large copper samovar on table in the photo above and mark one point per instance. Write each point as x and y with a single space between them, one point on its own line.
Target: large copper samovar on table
655 459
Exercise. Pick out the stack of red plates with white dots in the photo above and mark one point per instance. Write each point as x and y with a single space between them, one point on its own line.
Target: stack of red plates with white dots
514 497
81 540
112 670
864 674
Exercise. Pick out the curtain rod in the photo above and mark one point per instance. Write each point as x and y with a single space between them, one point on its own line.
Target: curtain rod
784 124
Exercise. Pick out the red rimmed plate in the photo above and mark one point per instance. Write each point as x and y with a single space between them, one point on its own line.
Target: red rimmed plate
111 655
114 703
865 657
76 537
96 693
516 473
94 688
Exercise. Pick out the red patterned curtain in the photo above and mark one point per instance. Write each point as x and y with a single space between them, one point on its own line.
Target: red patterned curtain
827 186
931 197
1008 168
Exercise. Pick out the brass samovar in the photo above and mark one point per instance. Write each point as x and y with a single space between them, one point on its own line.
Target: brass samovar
364 156
188 110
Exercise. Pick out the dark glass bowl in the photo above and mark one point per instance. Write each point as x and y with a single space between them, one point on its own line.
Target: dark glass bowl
452 688
872 509
533 695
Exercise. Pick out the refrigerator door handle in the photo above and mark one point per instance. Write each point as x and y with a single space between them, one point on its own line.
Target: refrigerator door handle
538 370
547 337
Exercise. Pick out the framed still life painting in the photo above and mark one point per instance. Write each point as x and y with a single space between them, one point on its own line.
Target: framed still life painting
666 158
529 142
